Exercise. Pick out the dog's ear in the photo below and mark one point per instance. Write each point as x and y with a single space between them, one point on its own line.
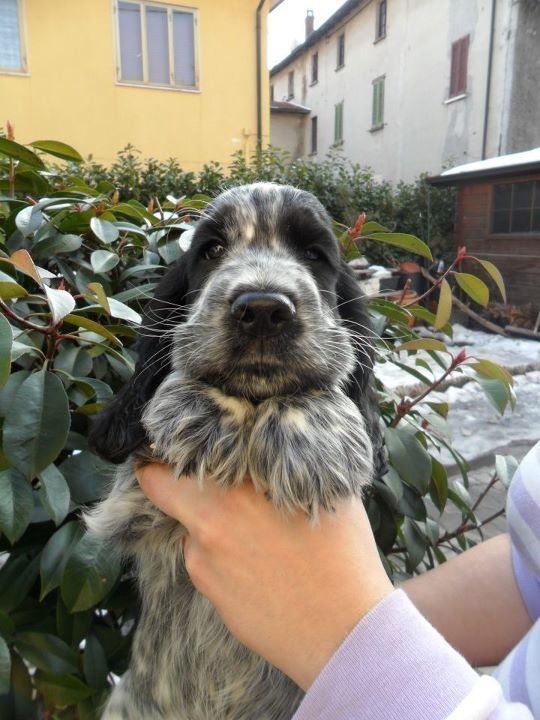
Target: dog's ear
353 310
118 430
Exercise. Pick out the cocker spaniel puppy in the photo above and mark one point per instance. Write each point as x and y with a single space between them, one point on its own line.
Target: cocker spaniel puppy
254 361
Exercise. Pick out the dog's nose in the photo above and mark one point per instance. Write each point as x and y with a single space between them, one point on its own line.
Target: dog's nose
263 314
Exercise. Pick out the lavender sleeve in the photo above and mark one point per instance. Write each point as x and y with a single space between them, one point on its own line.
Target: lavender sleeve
394 664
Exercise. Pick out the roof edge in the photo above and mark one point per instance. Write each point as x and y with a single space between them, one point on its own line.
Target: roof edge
520 169
340 14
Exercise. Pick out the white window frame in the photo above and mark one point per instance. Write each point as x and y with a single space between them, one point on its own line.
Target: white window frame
170 9
23 70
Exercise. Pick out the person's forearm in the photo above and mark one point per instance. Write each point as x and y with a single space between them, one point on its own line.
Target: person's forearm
474 602
395 665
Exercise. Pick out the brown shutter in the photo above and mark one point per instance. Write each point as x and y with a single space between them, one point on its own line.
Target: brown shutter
458 72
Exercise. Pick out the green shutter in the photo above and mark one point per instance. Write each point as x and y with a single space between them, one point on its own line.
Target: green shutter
338 123
377 116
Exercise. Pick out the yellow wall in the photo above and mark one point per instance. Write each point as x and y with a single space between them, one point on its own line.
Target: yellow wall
71 92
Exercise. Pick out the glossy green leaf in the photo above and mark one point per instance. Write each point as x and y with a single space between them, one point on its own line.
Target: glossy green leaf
100 294
91 572
439 484
7 626
22 260
506 466
17 576
474 287
16 504
491 370
497 392
415 541
87 324
10 288
123 312
402 240
56 245
95 665
409 457
495 275
54 493
62 690
5 667
36 433
55 555
60 302
28 220
13 150
46 652
6 342
422 344
58 149
104 230
103 261
444 308
88 476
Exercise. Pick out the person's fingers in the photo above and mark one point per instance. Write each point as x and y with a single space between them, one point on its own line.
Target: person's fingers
179 498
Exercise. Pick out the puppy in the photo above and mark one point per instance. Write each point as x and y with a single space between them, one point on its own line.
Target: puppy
255 360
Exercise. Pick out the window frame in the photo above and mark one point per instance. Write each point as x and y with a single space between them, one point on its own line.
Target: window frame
535 205
375 115
23 70
314 66
340 56
314 138
170 8
459 57
338 138
381 35
290 85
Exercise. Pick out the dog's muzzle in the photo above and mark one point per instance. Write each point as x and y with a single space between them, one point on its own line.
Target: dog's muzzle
263 314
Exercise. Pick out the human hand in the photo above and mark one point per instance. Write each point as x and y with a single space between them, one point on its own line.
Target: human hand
287 588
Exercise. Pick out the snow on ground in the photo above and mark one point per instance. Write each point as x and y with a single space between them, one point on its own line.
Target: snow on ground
477 429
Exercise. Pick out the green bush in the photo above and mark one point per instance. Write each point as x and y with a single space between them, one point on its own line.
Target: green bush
78 261
343 187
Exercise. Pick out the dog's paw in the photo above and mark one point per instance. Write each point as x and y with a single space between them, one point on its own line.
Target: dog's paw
307 452
199 430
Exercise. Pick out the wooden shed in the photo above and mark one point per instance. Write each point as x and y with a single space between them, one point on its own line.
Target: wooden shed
498 218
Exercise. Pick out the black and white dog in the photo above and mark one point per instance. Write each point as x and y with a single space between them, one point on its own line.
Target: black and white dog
254 360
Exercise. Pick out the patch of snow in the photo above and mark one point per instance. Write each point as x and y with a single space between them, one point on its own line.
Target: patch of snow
521 158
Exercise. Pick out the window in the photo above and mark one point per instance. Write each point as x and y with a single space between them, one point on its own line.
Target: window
156 45
314 68
11 53
515 208
458 72
338 123
380 30
290 85
340 51
314 123
377 114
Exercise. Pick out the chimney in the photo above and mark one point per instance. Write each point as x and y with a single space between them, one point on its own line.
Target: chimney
310 21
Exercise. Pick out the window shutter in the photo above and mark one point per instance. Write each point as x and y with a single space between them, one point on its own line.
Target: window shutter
157 45
10 46
458 71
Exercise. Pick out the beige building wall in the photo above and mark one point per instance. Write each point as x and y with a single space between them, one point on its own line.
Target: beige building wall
70 90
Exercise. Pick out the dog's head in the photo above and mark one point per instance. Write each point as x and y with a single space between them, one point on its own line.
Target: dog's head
260 305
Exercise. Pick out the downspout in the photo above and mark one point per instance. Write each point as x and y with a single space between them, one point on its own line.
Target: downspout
258 43
488 83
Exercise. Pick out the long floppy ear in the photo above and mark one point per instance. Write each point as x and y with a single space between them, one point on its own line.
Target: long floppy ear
117 430
353 310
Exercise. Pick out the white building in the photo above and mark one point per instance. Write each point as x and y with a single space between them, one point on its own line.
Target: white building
409 86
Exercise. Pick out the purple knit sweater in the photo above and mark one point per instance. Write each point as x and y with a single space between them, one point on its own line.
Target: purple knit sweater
394 664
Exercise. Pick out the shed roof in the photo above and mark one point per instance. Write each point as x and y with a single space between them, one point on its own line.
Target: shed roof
282 106
521 163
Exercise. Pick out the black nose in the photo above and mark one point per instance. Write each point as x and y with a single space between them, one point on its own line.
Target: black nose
263 314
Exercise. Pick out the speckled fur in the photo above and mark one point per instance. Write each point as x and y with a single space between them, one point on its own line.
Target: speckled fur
291 427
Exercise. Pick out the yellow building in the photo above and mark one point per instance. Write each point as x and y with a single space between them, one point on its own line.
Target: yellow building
174 80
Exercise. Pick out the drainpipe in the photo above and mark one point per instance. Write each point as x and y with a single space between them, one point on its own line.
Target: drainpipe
258 31
488 83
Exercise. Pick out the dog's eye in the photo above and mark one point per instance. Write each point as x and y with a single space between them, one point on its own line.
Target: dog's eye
312 254
214 251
